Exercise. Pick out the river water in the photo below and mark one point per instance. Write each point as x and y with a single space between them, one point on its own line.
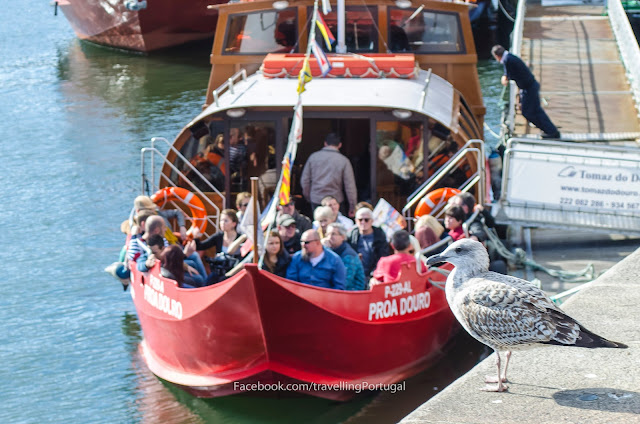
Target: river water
73 119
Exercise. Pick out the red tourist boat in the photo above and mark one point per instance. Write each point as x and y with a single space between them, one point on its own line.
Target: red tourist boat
140 25
256 328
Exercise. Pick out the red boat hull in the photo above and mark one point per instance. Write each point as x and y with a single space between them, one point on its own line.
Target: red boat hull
163 23
259 328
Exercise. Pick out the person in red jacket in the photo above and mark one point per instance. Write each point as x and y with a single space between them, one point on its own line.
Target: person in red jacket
388 268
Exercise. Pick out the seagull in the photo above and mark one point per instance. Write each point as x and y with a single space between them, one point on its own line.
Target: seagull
505 312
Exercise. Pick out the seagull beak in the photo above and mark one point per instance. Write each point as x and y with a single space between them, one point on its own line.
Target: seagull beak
435 259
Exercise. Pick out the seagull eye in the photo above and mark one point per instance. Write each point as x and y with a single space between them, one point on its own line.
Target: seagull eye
458 249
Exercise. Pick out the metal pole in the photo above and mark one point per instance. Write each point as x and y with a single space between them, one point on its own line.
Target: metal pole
256 224
341 47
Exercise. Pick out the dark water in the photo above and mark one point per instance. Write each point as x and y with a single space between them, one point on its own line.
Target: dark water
73 119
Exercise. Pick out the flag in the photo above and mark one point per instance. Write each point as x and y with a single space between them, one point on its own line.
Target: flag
323 60
326 32
246 227
326 7
295 136
304 76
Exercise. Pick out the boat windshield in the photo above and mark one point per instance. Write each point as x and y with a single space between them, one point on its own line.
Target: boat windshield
361 34
424 31
262 32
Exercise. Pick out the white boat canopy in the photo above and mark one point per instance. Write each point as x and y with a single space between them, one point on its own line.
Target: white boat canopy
257 91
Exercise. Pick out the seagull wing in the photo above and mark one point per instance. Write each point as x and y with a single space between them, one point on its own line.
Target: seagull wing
504 313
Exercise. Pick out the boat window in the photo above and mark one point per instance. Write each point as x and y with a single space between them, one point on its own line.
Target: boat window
205 152
399 169
424 31
262 32
252 152
361 34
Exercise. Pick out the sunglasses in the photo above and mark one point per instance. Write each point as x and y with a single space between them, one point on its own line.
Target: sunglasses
363 219
244 205
304 243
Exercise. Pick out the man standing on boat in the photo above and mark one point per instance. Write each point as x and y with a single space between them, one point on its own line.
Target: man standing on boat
515 69
316 265
326 173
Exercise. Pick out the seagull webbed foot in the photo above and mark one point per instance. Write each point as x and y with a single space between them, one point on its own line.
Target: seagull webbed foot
493 379
495 388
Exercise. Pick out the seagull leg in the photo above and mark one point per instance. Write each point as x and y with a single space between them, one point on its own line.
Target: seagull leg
500 387
492 379
506 365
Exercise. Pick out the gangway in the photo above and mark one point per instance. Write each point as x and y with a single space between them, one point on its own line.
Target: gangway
587 61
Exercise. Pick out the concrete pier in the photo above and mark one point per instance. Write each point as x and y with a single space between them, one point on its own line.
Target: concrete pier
561 384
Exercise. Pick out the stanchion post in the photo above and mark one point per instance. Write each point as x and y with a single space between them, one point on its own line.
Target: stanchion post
256 224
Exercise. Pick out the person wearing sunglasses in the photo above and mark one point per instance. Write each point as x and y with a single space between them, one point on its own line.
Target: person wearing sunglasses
316 265
388 268
242 202
369 241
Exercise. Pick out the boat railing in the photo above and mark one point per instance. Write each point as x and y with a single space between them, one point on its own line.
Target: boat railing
628 46
229 85
516 45
474 147
425 89
154 154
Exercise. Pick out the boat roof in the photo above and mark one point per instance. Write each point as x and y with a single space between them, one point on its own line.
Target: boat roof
258 91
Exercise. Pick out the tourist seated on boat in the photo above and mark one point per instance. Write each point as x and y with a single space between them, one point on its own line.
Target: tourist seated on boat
336 240
227 239
238 157
316 265
323 216
467 202
428 231
454 217
303 223
138 230
368 241
242 201
388 268
142 203
173 266
276 258
156 225
333 203
289 234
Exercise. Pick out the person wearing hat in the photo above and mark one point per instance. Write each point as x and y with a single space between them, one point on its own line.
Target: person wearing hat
289 233
326 173
303 223
368 241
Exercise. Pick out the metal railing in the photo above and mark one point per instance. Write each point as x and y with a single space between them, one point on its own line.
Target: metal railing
229 85
478 177
423 95
188 166
516 45
628 46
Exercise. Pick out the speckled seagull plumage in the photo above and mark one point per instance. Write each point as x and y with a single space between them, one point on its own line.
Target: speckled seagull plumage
505 312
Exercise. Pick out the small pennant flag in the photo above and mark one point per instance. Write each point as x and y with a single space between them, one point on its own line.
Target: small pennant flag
321 57
326 7
304 76
326 32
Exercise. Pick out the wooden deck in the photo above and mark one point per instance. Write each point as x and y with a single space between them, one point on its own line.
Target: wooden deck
573 54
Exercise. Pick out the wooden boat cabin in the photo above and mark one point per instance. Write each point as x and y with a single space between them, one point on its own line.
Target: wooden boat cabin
396 99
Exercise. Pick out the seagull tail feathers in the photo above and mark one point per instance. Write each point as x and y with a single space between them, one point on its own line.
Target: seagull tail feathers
589 339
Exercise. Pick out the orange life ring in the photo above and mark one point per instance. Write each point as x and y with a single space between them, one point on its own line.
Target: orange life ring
433 199
198 211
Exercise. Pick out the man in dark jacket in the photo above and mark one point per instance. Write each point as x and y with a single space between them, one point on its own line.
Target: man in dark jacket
515 69
370 242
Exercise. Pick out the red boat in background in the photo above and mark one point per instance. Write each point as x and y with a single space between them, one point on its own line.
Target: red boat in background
140 25
258 329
